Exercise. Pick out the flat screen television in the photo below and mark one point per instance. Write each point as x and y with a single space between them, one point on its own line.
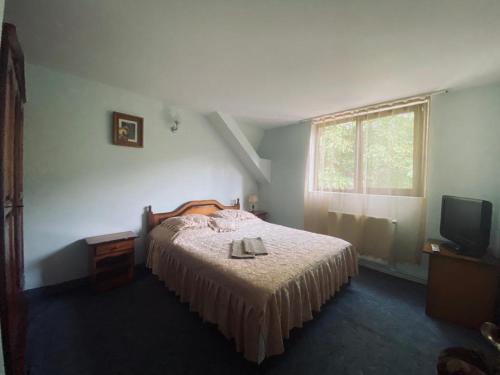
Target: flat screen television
467 223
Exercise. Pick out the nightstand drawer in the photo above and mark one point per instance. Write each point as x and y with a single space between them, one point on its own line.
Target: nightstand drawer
111 259
114 247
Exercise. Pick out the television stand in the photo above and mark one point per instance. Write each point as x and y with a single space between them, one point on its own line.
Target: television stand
461 289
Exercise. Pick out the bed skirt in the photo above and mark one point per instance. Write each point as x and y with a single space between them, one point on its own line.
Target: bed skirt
258 330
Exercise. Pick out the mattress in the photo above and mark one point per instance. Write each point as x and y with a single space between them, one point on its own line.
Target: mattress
255 301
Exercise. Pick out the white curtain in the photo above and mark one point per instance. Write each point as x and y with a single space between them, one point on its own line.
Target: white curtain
380 206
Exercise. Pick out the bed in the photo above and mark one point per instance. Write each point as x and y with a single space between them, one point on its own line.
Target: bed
256 301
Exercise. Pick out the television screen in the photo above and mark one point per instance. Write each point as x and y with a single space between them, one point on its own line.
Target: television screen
466 222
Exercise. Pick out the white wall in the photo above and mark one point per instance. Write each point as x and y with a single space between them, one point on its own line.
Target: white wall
253 133
464 160
78 184
283 198
464 157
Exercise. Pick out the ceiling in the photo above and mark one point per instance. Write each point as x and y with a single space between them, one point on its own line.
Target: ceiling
270 62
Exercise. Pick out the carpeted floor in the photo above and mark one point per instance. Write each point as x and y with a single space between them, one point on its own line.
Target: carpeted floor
375 325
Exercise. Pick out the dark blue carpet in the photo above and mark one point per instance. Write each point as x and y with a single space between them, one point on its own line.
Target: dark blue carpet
375 325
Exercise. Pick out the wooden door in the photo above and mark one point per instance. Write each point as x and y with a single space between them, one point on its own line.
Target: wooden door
12 305
13 309
18 188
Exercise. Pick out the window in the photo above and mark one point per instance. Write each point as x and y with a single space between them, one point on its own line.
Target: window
372 152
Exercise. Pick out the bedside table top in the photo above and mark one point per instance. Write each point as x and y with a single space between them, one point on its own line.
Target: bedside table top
97 240
260 214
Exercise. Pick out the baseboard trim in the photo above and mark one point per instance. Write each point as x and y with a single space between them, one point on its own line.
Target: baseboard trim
49 290
391 271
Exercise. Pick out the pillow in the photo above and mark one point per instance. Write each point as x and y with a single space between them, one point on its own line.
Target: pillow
193 221
231 214
222 225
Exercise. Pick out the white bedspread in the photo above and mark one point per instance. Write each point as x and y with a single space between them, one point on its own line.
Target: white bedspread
255 301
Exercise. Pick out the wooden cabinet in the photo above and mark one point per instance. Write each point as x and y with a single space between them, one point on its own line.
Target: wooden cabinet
12 304
111 259
461 289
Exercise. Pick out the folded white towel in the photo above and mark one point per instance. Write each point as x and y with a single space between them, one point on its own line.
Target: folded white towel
248 248
254 246
237 250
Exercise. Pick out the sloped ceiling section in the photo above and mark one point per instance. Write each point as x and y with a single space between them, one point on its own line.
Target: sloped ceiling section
231 132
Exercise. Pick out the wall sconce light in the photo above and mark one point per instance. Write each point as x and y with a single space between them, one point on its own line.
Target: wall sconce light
175 126
172 119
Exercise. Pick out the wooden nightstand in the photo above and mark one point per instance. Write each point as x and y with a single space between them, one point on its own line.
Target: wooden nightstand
260 214
111 259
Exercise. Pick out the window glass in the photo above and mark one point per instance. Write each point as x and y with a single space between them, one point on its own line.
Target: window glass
388 151
337 157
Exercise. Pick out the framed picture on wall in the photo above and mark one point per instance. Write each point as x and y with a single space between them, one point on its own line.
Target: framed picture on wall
127 130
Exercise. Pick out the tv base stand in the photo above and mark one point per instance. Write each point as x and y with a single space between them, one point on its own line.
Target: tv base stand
452 246
461 289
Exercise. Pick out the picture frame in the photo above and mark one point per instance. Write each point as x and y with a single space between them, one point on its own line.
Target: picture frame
128 130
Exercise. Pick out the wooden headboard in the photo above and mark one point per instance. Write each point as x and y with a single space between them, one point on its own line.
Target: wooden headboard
204 207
